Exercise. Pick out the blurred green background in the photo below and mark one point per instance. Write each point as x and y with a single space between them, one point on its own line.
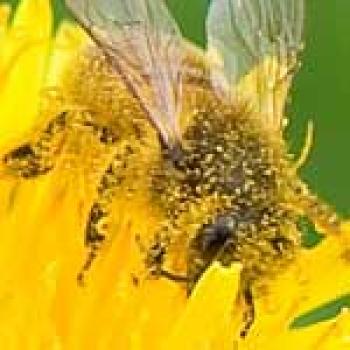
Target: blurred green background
321 92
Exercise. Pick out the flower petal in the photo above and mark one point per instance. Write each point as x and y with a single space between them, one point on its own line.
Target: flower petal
24 55
69 39
318 276
5 11
208 309
333 335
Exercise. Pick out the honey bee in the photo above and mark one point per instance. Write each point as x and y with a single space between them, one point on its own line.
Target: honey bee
200 130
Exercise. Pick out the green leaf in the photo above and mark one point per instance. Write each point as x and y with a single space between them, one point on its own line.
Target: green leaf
321 313
310 236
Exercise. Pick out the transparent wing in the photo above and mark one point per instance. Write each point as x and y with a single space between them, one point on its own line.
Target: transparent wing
144 45
256 44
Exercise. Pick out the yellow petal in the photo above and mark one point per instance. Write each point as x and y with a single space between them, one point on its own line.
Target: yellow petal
142 314
318 276
69 40
208 309
338 335
329 335
5 10
23 66
29 294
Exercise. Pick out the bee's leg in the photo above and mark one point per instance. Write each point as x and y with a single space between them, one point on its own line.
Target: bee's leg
171 276
249 313
38 157
96 229
155 258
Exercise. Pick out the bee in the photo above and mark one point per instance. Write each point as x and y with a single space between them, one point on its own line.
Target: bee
201 131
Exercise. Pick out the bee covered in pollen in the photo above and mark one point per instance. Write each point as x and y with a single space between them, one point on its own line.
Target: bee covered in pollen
199 135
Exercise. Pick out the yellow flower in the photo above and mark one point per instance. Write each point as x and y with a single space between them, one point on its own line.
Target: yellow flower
41 246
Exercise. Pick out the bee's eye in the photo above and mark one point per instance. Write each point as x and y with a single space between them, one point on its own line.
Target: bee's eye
214 236
213 241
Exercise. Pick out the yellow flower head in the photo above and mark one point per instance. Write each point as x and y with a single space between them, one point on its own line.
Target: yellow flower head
150 280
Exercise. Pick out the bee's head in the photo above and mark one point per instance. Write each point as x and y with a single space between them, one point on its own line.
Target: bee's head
222 190
213 237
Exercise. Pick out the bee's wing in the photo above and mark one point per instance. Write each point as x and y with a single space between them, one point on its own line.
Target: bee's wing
255 44
144 45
